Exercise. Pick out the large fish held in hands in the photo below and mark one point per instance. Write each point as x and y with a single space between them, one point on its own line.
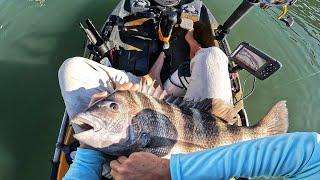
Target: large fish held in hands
145 120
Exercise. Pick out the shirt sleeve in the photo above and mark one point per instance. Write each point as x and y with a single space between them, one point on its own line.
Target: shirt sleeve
86 165
292 155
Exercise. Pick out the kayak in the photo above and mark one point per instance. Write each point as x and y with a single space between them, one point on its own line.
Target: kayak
130 40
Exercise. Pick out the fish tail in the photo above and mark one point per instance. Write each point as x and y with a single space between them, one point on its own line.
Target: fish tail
275 122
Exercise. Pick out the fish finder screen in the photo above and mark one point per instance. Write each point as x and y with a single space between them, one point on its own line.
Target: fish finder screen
250 59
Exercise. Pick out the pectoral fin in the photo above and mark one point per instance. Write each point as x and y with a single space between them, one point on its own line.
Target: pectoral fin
224 111
148 87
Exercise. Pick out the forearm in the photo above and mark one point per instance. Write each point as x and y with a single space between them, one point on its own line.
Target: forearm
86 165
293 155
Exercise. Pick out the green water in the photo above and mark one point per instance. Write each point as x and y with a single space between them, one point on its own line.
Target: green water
37 35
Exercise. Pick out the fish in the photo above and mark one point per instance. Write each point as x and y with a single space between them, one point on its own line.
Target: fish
149 120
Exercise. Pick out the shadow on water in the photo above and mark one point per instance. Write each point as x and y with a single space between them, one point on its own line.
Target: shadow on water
34 41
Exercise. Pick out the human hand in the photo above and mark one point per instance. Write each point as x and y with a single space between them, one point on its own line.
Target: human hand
97 97
127 86
142 166
122 87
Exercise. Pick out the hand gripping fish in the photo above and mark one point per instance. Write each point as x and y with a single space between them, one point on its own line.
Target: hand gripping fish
146 120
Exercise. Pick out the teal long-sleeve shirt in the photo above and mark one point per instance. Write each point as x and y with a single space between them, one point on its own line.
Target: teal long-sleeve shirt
292 155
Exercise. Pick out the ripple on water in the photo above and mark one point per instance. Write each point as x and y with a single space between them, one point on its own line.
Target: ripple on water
307 30
307 15
39 2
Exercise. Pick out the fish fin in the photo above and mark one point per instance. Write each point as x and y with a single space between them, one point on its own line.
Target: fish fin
177 100
157 92
215 107
224 111
163 95
170 99
140 86
151 89
174 100
275 122
147 87
203 105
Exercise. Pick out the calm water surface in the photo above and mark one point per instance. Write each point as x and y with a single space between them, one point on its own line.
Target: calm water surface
37 35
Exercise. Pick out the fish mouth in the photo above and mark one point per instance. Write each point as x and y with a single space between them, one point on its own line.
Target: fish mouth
94 132
86 122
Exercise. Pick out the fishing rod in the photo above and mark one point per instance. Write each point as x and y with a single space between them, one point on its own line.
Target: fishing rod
244 8
59 146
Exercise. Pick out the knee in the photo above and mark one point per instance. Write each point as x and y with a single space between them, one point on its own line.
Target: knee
71 66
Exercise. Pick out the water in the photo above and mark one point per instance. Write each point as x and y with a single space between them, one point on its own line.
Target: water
37 35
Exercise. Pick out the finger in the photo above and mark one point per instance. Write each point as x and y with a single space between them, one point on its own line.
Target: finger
128 85
135 87
97 97
119 87
115 165
123 87
122 159
114 174
163 55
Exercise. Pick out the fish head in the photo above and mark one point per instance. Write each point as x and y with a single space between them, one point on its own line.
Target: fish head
108 122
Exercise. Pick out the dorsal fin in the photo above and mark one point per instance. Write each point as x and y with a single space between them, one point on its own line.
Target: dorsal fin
215 107
203 105
147 87
170 99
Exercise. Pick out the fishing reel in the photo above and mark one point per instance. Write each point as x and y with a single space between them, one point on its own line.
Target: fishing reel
166 14
288 20
277 2
168 19
246 6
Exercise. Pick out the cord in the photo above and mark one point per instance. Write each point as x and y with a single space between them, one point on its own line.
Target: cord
250 93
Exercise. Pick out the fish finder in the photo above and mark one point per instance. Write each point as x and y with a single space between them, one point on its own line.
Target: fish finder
254 61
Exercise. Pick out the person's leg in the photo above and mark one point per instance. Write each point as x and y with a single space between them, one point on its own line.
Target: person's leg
80 78
209 76
178 82
209 79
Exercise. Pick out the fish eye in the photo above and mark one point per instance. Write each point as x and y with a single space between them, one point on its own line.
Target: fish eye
114 106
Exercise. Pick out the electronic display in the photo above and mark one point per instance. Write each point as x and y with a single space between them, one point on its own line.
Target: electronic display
250 59
254 61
